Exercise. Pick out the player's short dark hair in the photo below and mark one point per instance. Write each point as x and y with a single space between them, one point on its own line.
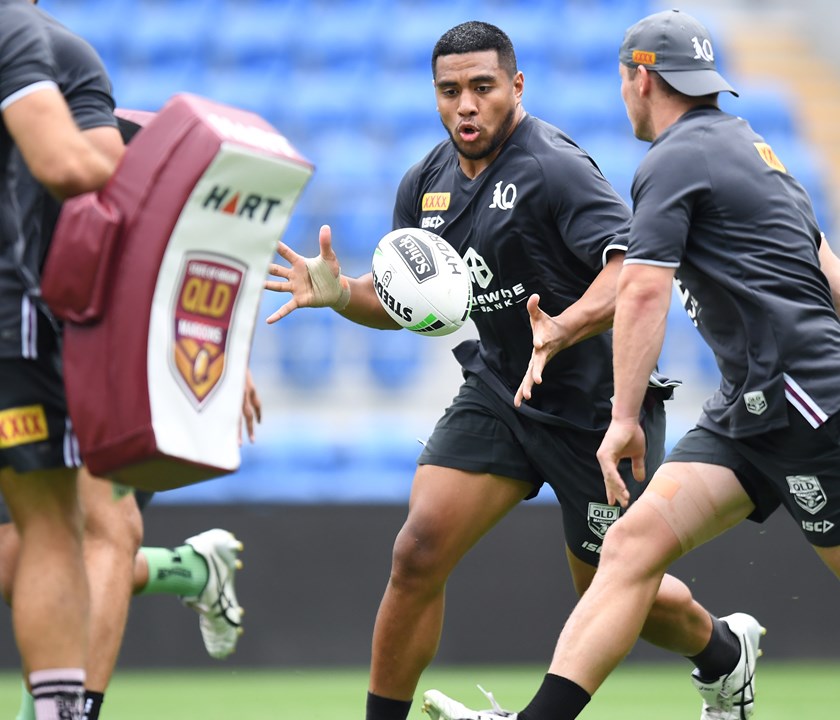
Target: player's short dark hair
476 36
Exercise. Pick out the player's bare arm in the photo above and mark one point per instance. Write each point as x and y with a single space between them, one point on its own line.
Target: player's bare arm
57 153
318 282
106 140
590 315
251 408
644 295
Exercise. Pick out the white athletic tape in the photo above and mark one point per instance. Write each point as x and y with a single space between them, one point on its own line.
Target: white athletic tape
328 290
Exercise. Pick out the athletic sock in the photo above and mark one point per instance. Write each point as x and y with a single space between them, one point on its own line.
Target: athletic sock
58 694
721 655
381 708
558 699
27 704
93 703
181 571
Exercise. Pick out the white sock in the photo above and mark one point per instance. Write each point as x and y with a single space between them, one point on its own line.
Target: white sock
58 694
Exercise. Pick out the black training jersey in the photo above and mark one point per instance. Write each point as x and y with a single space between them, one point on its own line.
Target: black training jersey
36 52
712 199
540 219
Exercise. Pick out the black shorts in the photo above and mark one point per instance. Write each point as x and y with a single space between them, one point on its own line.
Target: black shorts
797 466
35 430
480 432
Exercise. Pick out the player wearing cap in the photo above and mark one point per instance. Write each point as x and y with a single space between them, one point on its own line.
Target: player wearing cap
715 209
531 213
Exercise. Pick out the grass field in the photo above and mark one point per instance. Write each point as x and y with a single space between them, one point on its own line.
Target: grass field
786 691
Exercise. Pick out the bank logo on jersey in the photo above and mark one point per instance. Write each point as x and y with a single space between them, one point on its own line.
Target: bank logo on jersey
767 154
807 492
600 517
500 298
435 202
756 402
503 198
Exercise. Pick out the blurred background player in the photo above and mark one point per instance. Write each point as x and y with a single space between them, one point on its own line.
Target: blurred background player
531 213
202 570
37 466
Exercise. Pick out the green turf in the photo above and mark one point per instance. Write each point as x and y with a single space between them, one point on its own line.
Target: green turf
787 691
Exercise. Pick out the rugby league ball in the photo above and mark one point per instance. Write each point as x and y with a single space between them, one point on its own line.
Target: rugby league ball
422 282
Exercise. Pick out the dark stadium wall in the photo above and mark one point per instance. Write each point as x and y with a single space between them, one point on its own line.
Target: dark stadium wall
313 577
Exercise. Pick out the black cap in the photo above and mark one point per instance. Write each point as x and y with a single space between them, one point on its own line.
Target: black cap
679 48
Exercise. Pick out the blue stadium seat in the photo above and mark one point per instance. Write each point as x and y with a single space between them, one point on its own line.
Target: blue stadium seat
412 30
306 348
356 231
100 22
353 157
589 36
328 36
769 109
252 34
329 100
149 87
243 88
403 103
159 31
617 153
407 148
589 102
395 358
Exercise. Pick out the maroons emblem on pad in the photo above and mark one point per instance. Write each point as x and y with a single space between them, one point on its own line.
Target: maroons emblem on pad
207 291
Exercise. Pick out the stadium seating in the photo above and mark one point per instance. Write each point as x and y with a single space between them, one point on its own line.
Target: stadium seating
349 83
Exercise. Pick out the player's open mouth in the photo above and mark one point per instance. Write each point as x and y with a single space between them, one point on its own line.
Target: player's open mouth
467 132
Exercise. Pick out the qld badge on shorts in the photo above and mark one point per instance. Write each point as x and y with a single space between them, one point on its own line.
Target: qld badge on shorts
207 291
807 492
600 517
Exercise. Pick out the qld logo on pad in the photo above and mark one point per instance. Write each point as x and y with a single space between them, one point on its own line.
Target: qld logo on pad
207 294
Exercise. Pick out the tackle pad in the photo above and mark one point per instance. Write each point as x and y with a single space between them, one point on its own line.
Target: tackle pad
158 278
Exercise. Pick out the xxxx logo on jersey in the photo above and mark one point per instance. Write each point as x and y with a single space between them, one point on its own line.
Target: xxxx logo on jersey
436 201
207 292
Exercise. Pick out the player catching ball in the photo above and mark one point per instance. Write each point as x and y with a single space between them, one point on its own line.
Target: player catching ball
544 235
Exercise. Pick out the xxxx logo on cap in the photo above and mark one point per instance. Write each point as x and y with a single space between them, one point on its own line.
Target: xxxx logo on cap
643 57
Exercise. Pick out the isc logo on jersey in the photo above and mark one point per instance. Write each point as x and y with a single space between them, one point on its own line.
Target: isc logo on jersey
421 281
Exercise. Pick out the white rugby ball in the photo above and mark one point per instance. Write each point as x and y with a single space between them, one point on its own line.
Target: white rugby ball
422 282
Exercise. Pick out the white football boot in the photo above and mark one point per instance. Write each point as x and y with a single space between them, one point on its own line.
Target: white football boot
440 707
732 696
220 613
